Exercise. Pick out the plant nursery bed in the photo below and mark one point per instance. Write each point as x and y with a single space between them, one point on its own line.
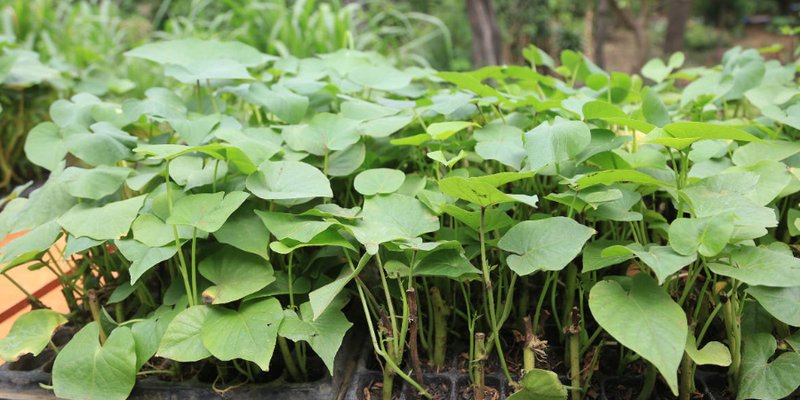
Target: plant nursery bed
536 232
30 377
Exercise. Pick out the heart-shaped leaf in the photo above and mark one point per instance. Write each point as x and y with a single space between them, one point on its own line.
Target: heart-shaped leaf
288 180
379 180
705 235
182 341
537 248
85 370
106 222
760 266
235 275
765 379
539 384
30 333
206 211
249 334
713 353
659 334
780 302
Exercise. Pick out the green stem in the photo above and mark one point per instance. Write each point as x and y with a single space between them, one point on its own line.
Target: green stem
480 359
33 300
289 360
389 302
94 308
687 378
574 331
194 263
361 264
440 313
489 294
733 330
649 383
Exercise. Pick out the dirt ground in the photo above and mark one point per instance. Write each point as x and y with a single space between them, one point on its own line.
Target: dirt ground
620 48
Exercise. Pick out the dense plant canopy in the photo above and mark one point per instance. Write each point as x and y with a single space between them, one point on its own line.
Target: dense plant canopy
257 204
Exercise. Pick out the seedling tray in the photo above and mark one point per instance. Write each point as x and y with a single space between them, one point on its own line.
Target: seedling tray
24 380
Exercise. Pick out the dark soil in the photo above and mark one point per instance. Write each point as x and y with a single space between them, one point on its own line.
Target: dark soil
489 393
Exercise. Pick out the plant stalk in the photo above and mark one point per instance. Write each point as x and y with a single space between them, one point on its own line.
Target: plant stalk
412 332
574 331
480 359
94 308
440 313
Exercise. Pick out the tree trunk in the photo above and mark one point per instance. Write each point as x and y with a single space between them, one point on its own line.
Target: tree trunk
600 32
637 25
486 41
589 48
677 15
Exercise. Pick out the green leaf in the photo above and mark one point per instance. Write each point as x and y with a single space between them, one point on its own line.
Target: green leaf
235 274
328 237
481 192
593 259
599 109
30 333
45 145
288 180
443 130
442 157
552 143
29 246
280 101
493 218
326 132
612 176
153 232
107 222
182 341
321 298
378 180
148 333
244 232
392 217
661 259
707 235
414 140
85 370
765 379
249 334
300 228
467 81
781 303
537 248
758 266
772 150
707 131
501 142
653 108
94 183
657 71
105 146
206 211
659 334
325 334
190 60
195 129
713 353
539 384
143 257
172 151
449 263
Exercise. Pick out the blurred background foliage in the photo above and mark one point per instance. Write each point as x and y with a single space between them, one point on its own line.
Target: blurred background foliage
53 49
